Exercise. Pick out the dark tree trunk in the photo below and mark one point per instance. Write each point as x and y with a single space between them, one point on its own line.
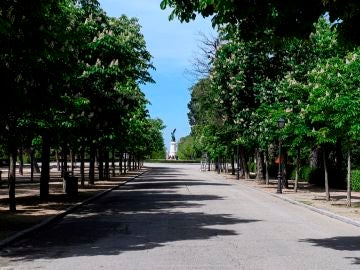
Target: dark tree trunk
72 160
232 164
129 161
45 167
244 165
92 164
107 165
21 161
125 162
82 166
297 169
113 162
237 162
100 164
32 161
218 165
64 160
284 174
121 162
58 167
12 172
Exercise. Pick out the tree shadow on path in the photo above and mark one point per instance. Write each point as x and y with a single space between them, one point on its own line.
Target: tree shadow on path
137 217
342 243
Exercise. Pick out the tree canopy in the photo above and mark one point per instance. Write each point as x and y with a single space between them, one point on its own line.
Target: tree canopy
285 18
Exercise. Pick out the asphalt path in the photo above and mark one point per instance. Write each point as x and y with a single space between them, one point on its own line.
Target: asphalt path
178 217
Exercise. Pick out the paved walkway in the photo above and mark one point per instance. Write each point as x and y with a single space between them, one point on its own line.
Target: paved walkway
175 217
313 198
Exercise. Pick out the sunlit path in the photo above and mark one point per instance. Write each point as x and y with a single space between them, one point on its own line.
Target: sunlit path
178 217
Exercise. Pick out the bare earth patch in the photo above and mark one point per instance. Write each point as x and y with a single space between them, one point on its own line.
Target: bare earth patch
31 210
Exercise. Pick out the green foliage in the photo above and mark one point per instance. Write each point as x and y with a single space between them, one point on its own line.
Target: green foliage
251 166
305 173
255 17
355 180
187 149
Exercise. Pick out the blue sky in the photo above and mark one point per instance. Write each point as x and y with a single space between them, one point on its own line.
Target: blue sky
172 45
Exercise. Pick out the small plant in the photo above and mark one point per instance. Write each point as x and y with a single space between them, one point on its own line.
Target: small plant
252 166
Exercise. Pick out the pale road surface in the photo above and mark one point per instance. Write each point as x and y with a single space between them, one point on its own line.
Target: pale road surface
178 217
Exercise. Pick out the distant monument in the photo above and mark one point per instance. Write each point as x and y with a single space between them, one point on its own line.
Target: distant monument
173 146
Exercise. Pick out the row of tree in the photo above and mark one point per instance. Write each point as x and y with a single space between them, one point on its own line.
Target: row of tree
272 61
71 81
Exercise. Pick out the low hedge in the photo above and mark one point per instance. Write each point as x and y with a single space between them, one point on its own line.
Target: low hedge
171 161
355 180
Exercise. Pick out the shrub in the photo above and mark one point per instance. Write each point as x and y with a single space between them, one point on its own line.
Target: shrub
355 180
251 166
306 173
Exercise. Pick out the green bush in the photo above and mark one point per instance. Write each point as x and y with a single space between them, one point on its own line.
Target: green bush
251 166
306 173
355 180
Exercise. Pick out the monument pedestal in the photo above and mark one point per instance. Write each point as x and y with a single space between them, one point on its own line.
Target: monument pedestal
173 150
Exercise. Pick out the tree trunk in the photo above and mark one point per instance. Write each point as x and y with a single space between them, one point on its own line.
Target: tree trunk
297 170
32 161
266 161
113 162
64 160
260 172
21 161
244 165
129 162
237 163
92 164
125 162
327 191
101 164
121 162
72 161
82 166
107 165
12 172
45 167
314 157
232 164
348 197
209 163
284 174
58 167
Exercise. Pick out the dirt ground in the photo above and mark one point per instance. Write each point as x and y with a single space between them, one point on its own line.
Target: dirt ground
30 210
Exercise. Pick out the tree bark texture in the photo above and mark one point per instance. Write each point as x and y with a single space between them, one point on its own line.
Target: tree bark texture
327 191
45 166
348 196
